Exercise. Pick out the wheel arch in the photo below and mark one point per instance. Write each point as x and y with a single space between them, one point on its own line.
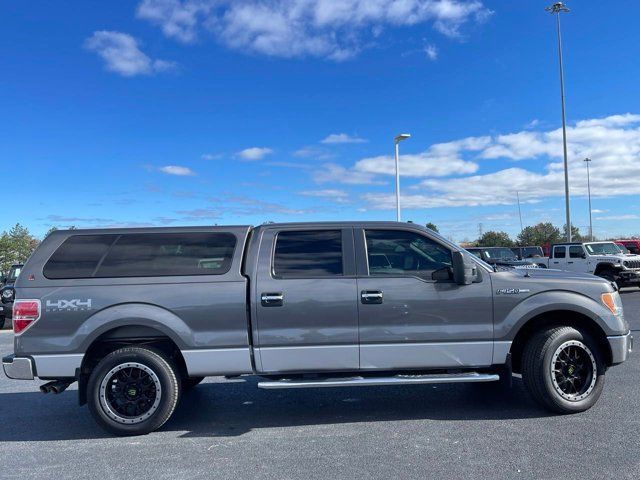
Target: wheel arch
569 318
604 266
121 336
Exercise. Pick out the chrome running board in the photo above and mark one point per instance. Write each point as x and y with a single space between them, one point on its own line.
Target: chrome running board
376 381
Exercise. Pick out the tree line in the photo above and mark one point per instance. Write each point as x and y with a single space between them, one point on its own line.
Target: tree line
536 235
16 245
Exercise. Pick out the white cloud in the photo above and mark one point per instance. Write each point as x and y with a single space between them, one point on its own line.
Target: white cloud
211 156
178 19
628 216
122 55
342 138
254 153
333 173
331 29
613 143
431 51
313 152
177 170
439 160
338 196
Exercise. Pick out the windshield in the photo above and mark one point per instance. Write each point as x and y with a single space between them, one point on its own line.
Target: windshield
608 248
500 254
624 249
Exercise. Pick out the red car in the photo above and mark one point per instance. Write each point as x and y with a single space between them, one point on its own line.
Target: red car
632 245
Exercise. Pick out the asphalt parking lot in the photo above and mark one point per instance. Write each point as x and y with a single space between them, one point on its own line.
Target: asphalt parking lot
234 430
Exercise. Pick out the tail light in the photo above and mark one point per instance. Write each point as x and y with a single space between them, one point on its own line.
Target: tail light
25 314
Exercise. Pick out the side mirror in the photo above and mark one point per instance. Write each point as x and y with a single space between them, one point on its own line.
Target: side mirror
465 271
444 274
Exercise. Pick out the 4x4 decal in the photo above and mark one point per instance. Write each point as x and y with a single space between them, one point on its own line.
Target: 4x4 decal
68 305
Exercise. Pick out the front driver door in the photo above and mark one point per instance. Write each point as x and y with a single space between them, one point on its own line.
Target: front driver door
407 319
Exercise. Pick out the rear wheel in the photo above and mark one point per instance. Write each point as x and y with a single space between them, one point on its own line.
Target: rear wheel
563 370
133 391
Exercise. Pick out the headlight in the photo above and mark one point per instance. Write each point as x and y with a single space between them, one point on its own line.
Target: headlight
625 263
613 302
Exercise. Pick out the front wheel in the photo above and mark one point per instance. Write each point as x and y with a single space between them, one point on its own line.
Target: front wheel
563 370
133 391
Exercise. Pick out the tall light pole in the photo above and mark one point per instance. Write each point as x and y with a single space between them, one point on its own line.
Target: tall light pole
588 161
558 8
396 141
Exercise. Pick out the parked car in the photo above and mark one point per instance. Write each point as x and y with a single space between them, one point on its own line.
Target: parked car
523 253
502 256
136 316
632 245
7 294
604 259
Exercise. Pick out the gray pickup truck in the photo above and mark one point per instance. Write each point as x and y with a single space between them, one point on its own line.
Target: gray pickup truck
136 316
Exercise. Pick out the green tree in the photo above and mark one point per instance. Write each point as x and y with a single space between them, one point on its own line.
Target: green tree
539 234
432 226
16 245
576 236
495 239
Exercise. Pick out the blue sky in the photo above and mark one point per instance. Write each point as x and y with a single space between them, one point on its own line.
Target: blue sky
160 112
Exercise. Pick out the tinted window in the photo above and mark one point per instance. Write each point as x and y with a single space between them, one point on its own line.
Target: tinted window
308 254
559 252
78 256
154 254
576 252
396 252
142 255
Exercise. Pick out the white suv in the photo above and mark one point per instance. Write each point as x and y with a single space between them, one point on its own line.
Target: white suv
604 259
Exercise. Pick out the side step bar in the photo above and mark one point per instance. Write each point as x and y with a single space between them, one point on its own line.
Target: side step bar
374 381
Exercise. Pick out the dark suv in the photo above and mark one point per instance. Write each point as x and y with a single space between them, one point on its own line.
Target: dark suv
500 256
7 295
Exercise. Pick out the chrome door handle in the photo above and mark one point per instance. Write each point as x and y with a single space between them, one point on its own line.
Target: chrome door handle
371 296
272 299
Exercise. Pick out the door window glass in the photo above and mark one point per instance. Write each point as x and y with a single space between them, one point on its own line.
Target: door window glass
311 253
576 251
397 252
560 252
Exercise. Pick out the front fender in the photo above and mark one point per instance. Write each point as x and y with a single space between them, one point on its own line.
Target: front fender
547 302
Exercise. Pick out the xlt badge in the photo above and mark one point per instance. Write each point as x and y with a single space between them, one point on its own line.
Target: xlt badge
512 291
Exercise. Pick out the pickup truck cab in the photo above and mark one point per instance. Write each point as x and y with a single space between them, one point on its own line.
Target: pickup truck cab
137 316
604 259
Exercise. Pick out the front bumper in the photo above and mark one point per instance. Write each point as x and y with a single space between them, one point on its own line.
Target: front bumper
621 347
630 276
18 368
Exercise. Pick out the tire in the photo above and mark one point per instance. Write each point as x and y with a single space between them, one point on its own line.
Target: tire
562 392
608 275
148 399
190 382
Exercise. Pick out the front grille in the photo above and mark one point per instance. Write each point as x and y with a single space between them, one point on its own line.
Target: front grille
632 263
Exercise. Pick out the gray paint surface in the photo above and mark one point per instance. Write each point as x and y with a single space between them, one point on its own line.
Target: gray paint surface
322 325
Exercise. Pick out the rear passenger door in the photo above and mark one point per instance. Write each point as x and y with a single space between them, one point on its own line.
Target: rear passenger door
559 259
409 320
305 301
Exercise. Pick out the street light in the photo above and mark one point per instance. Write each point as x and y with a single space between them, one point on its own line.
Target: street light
588 161
396 141
558 8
